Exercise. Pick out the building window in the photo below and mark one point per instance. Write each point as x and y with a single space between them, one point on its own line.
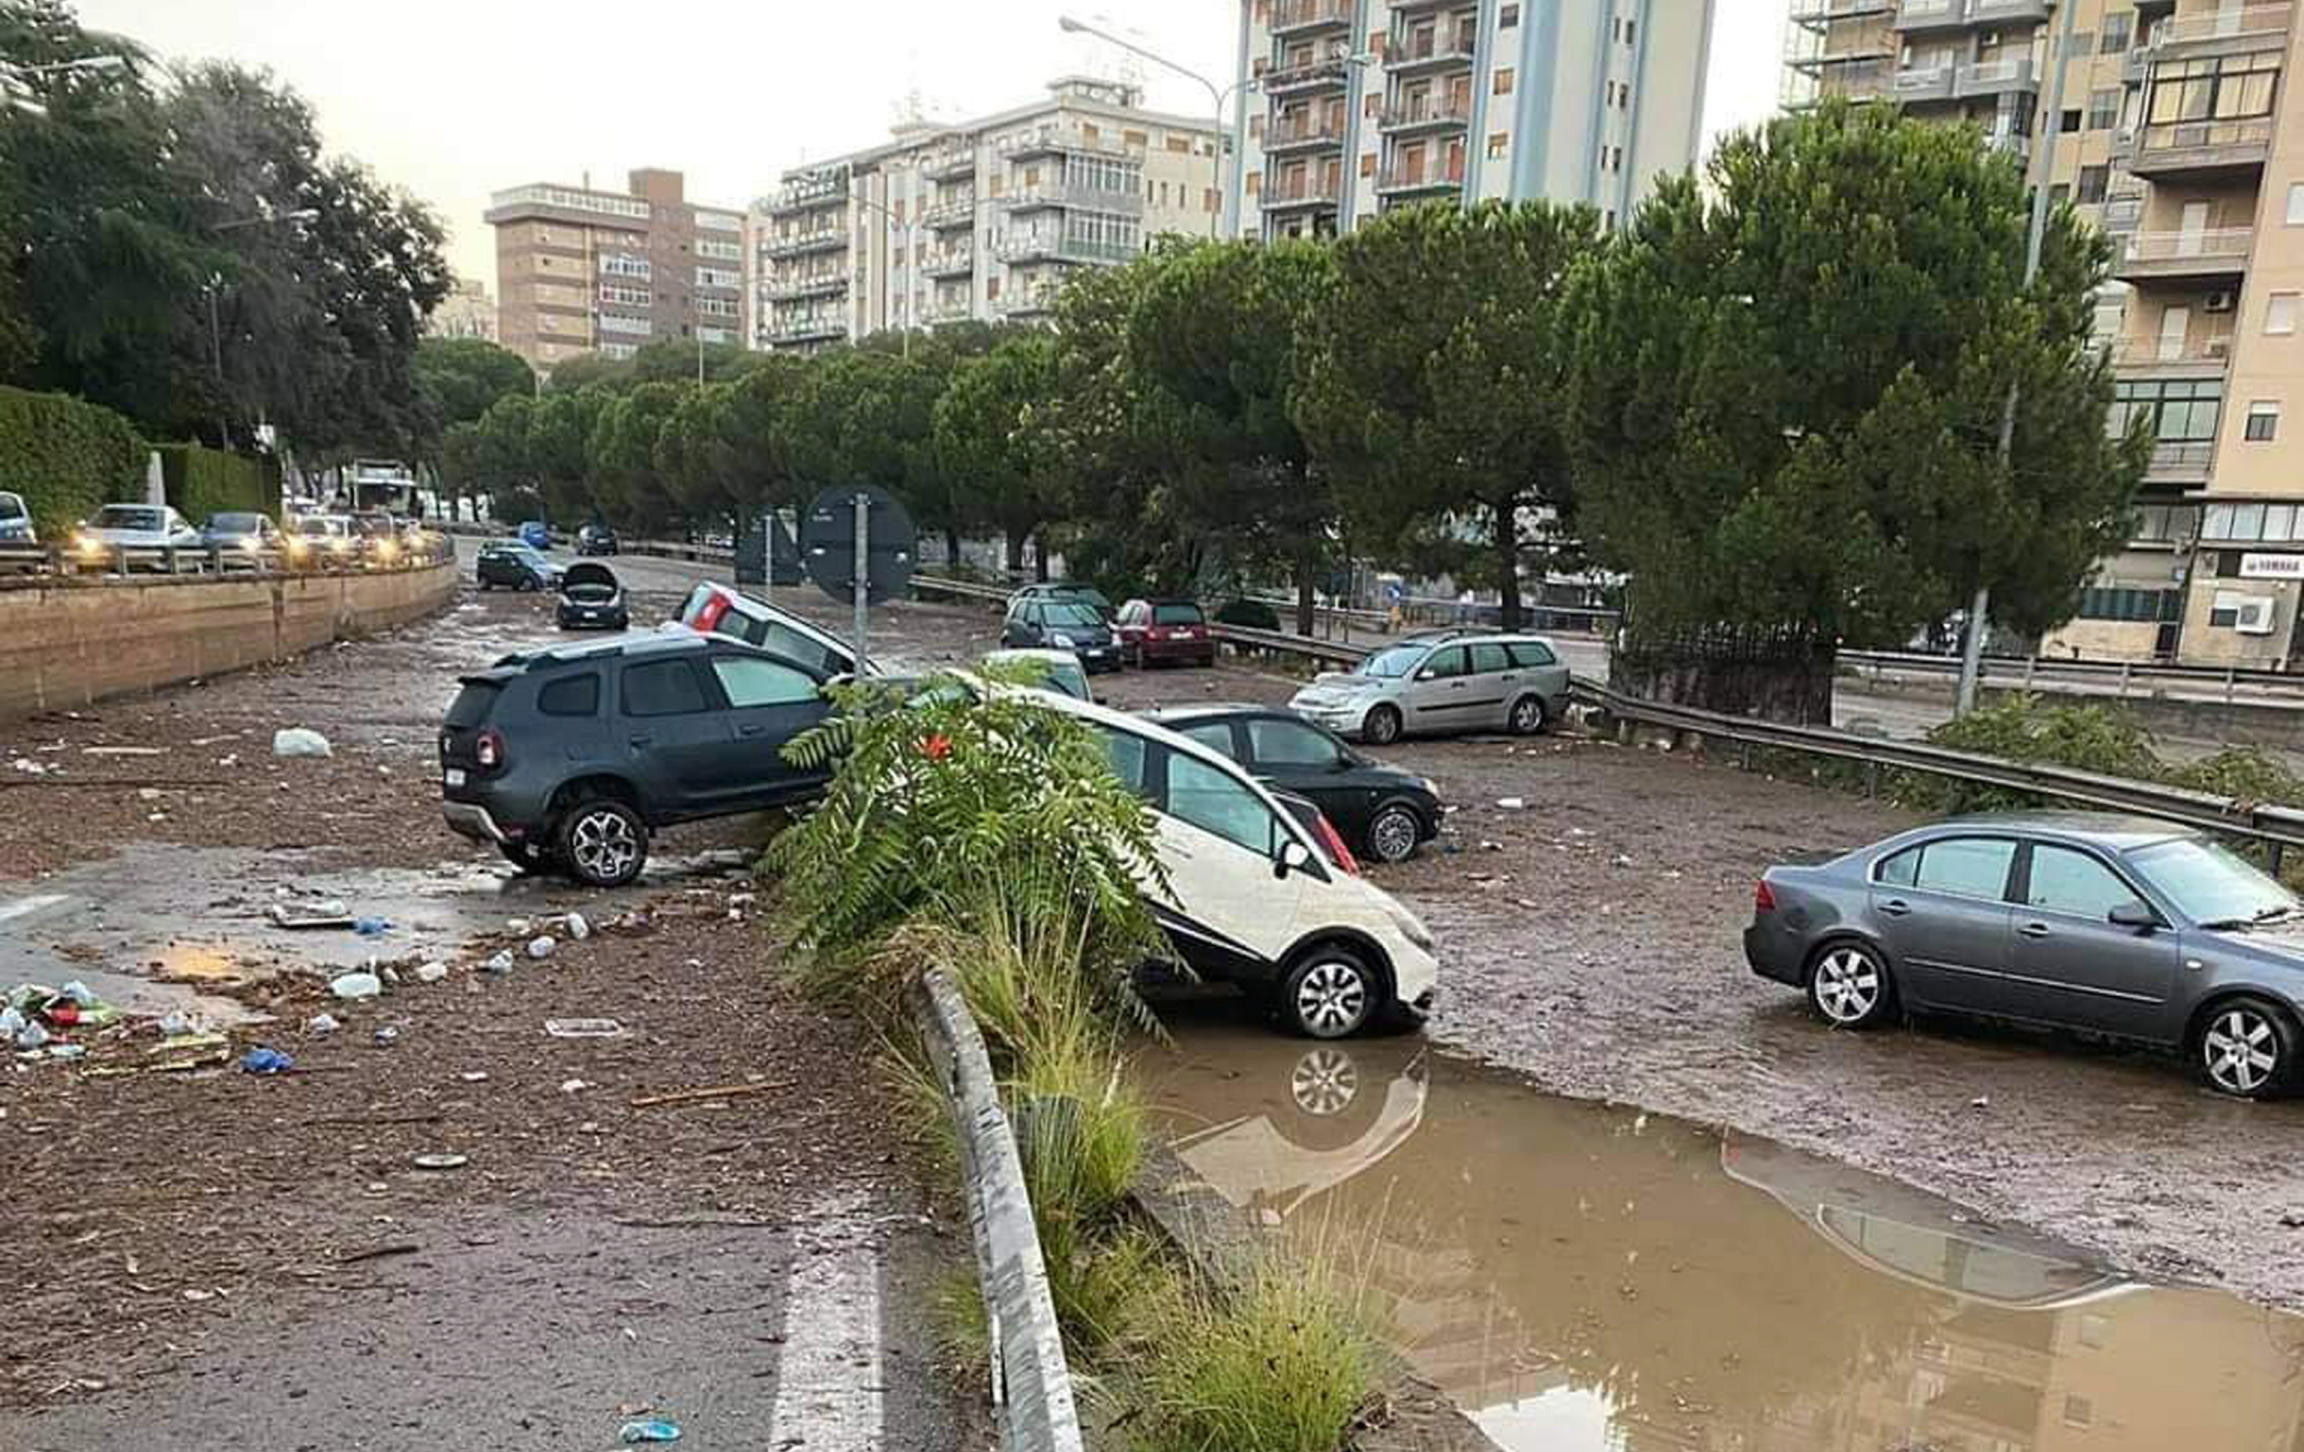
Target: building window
1507 17
1496 143
2280 313
2134 606
2176 411
2295 203
1503 85
2114 36
1367 163
617 266
2263 422
2093 180
2219 88
2068 121
2104 109
1628 32
1616 158
2059 194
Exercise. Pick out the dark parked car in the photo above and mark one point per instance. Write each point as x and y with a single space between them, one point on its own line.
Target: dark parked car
569 759
1037 623
2124 927
1163 632
514 566
596 539
1067 590
592 597
1384 812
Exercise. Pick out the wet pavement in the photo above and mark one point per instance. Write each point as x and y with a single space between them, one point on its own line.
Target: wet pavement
1585 1277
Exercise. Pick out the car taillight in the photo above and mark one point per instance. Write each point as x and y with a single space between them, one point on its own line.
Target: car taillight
1763 897
488 750
1333 842
708 618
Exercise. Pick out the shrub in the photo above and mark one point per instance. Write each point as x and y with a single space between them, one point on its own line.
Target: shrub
1283 1365
66 458
2018 727
1248 614
202 481
2244 773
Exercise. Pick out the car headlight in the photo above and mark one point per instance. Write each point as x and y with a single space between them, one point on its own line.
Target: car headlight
87 545
340 546
1428 786
1412 929
252 544
1060 640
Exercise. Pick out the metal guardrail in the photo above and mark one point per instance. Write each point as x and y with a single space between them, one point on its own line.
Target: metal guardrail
1281 642
1032 1386
23 566
2267 687
2278 826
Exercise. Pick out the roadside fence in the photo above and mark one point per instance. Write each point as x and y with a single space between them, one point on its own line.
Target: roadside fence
46 566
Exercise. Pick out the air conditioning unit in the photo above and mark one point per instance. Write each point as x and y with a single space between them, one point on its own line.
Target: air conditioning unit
2256 615
2219 301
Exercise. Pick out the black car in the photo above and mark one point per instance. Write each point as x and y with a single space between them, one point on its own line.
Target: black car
568 759
512 565
1384 812
1038 623
596 539
591 597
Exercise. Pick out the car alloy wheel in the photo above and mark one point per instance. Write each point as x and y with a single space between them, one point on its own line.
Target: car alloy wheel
1330 995
1393 834
2244 1049
1849 986
605 844
1325 1082
1381 727
1528 715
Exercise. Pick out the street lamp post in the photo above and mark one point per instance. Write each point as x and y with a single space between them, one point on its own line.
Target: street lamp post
911 234
215 317
1074 25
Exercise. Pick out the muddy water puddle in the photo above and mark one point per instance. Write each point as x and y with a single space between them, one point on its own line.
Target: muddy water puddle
1587 1278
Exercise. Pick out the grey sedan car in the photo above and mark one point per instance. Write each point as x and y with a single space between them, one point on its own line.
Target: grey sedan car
2124 927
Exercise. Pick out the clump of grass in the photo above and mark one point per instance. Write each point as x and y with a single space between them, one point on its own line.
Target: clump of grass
956 1318
1283 1364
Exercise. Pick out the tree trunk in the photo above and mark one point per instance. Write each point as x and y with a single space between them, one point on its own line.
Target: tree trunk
1016 538
1305 566
1040 555
1508 562
951 548
1776 676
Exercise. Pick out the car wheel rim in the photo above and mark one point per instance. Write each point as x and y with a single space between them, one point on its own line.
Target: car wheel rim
1381 726
1325 1082
1392 837
1847 985
2241 1050
1332 999
1527 716
604 844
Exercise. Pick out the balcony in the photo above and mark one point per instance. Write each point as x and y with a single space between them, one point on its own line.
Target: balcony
1992 78
1304 131
1301 193
2010 12
1028 302
821 282
1042 196
1403 183
2150 358
1302 17
2205 33
1426 113
950 262
948 211
2215 255
1028 247
797 244
1915 16
1328 74
1065 141
1931 84
2199 151
1824 12
2185 463
812 189
940 310
1405 53
804 327
948 162
1868 80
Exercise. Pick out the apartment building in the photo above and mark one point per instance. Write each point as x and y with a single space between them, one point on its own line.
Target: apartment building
2176 135
1358 105
583 271
467 312
979 220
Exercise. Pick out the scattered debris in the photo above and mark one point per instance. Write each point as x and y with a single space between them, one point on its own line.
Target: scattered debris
123 751
296 741
655 1429
583 1028
573 1086
1512 804
474 1076
263 1060
541 947
440 1161
322 1023
1981 1101
578 929
356 986
518 927
29 767
327 912
431 972
378 1252
371 927
1621 859
387 1035
716 1091
499 965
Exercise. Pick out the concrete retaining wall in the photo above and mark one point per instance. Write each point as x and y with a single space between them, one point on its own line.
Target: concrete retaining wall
73 642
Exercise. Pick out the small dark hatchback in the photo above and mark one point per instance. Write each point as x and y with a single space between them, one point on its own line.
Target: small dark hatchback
569 759
1383 812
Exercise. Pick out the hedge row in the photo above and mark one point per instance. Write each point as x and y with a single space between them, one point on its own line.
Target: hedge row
203 481
66 457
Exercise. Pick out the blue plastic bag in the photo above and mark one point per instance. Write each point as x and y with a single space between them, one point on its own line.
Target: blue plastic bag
655 1429
262 1060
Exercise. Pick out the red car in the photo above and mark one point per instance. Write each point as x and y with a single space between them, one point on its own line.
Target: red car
1156 632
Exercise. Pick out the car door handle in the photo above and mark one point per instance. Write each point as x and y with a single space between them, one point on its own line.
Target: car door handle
2034 930
640 743
1895 907
752 730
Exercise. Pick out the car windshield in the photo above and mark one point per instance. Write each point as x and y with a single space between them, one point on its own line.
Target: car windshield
1176 615
128 516
1391 663
236 523
316 528
11 507
1066 612
2211 884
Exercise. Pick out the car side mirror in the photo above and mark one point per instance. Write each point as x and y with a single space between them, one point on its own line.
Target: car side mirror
1426 676
1340 763
1292 858
2133 915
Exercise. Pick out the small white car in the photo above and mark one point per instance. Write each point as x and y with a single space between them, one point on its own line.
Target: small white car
132 527
716 609
1251 898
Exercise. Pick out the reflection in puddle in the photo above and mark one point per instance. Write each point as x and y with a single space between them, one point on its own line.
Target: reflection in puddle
1591 1279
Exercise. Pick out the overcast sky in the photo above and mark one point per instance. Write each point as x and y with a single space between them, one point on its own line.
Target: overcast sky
454 99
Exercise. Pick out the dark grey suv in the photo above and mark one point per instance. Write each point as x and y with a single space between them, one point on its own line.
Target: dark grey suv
569 759
2124 927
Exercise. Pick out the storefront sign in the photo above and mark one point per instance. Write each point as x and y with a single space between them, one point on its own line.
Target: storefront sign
2272 567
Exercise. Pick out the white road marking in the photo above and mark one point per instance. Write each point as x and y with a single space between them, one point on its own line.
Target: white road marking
829 1396
26 906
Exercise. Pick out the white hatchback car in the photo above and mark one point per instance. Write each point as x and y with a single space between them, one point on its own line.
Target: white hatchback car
1252 900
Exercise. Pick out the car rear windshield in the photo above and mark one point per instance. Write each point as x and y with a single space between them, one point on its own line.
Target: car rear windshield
11 507
473 703
1177 615
127 516
1391 664
250 522
1067 612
